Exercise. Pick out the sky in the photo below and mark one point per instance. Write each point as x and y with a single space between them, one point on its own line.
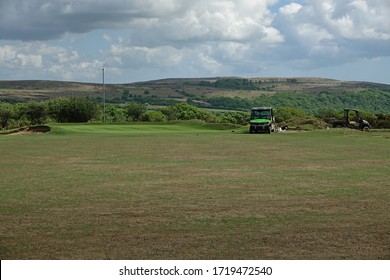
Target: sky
141 40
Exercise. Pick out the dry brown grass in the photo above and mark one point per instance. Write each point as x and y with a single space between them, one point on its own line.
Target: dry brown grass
318 195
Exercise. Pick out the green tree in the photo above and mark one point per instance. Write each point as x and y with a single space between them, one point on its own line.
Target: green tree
7 112
383 121
72 110
241 118
184 111
326 114
115 114
35 112
284 114
154 116
134 111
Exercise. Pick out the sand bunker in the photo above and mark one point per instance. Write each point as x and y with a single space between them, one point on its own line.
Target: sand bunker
32 130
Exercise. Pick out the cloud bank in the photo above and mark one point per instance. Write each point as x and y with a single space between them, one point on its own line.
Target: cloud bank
71 39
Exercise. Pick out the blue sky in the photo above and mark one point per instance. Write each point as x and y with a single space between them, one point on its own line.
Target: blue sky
154 39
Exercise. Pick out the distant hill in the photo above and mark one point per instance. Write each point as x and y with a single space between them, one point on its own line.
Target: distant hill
310 94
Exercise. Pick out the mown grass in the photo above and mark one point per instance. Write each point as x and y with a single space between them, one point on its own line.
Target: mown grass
188 192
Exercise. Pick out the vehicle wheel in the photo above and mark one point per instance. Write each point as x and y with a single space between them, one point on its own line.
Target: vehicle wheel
366 129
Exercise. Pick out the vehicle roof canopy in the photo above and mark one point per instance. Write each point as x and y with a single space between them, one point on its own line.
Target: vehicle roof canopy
351 109
261 108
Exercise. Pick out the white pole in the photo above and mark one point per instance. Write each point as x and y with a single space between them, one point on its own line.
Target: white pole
104 98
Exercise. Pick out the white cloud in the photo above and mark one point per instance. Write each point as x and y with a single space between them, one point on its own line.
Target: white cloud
329 32
7 56
107 38
290 9
122 55
172 19
349 18
28 60
233 51
208 63
21 58
71 38
37 58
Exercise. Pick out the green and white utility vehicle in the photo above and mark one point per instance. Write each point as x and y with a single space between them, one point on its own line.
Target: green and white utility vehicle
262 120
352 119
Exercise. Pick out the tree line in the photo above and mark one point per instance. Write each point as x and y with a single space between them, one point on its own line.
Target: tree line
81 110
374 101
62 110
371 101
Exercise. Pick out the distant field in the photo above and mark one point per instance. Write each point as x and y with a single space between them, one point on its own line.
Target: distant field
191 191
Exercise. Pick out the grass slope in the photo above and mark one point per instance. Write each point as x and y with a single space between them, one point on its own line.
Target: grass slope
178 126
153 192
